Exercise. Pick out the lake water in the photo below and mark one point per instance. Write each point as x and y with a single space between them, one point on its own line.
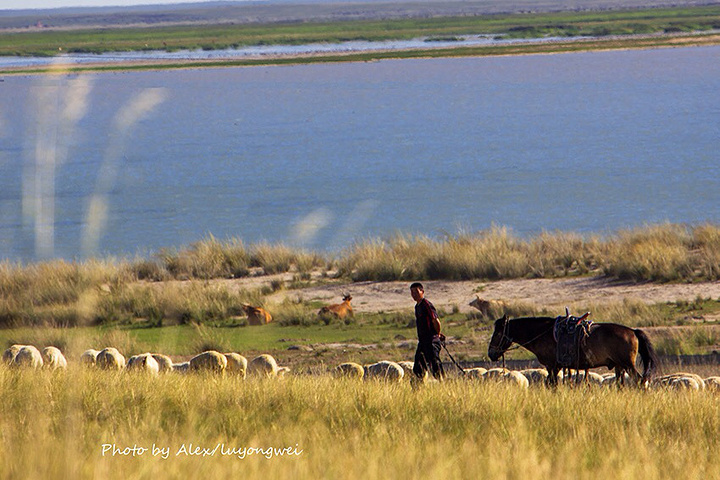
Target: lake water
323 155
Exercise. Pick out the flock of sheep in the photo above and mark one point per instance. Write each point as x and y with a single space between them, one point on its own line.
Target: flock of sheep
396 371
28 356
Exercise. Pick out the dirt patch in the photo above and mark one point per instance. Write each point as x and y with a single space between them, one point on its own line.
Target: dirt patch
374 297
371 297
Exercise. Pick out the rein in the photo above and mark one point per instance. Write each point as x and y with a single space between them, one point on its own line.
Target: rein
453 359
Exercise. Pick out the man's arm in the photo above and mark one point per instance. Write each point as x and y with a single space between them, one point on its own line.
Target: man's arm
436 324
437 327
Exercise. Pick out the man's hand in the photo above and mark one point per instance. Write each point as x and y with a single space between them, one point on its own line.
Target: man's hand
440 337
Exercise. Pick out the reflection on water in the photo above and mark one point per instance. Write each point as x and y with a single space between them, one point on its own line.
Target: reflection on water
323 155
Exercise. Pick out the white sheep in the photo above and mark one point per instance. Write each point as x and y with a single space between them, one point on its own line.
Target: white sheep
611 379
495 373
350 370
54 359
407 367
28 356
110 359
236 364
384 370
579 377
516 378
712 383
475 373
595 378
183 367
409 373
608 379
209 361
536 376
89 357
164 362
668 380
8 357
263 365
144 362
685 383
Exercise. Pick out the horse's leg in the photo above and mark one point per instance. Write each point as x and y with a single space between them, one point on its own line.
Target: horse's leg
578 379
552 379
635 375
632 372
619 376
627 364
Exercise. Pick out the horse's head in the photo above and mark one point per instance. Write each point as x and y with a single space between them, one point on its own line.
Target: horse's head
500 341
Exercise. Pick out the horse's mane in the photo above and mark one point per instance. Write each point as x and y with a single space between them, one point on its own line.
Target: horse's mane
533 320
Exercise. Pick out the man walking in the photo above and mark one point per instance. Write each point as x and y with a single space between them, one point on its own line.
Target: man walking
427 355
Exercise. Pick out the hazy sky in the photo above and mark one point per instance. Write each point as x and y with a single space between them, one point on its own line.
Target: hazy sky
23 4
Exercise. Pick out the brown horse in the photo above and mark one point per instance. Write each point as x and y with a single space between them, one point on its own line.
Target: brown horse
608 345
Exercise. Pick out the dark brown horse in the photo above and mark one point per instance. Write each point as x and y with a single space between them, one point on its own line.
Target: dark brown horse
608 345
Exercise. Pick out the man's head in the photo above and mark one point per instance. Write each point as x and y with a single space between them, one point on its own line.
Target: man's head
417 291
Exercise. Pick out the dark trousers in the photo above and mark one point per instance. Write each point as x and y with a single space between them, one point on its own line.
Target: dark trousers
427 356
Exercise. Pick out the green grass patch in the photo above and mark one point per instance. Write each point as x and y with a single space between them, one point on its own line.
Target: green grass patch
211 37
370 337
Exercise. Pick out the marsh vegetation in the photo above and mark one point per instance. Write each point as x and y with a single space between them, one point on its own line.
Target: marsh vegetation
193 297
49 42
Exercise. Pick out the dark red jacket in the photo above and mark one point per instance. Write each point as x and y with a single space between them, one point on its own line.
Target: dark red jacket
424 314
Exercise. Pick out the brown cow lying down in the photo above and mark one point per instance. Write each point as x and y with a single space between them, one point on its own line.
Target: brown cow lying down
257 315
340 310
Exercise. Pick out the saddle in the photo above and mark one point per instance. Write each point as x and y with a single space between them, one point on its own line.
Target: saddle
570 334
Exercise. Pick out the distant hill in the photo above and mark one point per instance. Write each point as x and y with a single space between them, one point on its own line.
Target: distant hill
273 11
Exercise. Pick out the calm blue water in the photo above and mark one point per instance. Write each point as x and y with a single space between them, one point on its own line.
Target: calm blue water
323 155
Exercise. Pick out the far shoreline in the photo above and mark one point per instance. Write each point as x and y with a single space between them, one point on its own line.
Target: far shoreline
540 47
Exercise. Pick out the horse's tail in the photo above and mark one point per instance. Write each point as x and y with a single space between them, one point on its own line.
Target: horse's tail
647 355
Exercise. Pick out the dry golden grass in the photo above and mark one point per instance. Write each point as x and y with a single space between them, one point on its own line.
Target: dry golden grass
111 291
666 252
55 426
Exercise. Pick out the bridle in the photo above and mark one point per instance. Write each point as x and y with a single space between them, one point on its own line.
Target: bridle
503 337
506 336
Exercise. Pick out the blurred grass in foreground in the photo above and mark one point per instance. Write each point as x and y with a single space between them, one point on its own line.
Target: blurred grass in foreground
55 426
